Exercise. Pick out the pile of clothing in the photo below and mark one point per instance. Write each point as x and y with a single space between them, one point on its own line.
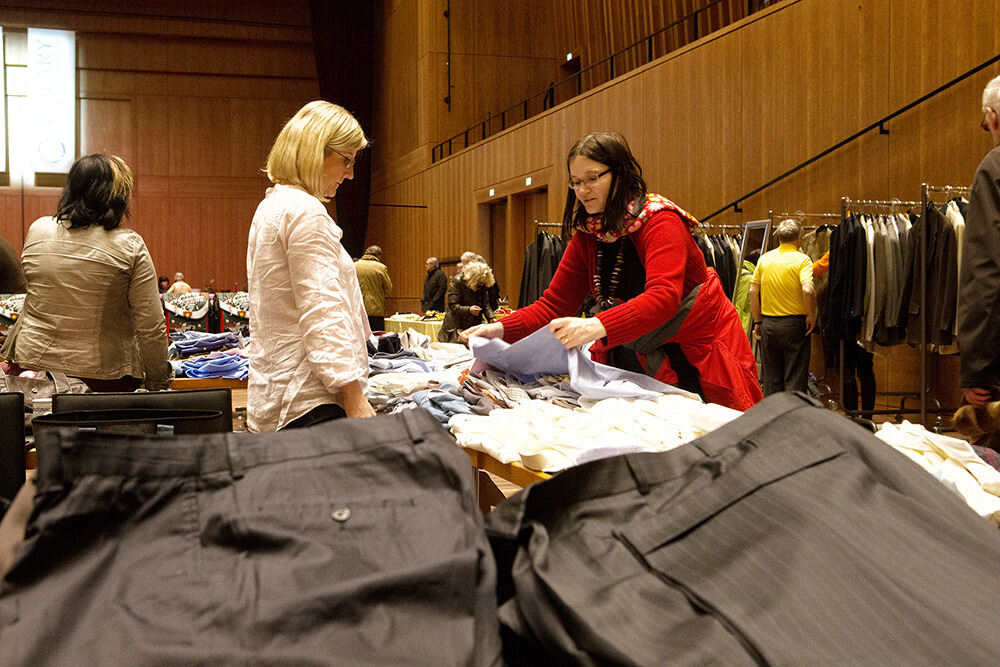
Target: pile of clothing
208 355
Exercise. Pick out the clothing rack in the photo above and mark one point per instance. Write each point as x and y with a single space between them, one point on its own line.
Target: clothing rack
799 217
799 214
893 205
708 226
539 223
926 192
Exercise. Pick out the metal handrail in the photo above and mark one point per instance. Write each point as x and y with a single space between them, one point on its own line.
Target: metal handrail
548 95
879 124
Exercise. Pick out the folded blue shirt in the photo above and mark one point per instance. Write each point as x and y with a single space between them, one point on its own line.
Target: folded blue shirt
441 403
186 343
399 365
232 364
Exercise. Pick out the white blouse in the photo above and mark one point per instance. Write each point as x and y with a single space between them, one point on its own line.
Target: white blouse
307 317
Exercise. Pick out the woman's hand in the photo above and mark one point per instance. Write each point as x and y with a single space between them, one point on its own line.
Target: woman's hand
354 402
475 310
576 331
492 330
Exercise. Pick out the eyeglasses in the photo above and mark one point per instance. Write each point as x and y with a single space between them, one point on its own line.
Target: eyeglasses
348 161
982 123
588 181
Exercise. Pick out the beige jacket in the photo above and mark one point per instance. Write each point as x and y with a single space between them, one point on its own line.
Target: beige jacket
373 277
92 308
308 320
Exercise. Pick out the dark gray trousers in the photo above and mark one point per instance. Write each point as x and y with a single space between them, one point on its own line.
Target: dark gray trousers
785 352
357 541
790 536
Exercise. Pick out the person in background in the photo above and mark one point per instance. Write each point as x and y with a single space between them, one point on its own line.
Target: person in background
858 362
163 283
783 306
435 286
979 283
91 310
373 277
308 355
659 308
468 300
741 293
493 291
179 285
12 280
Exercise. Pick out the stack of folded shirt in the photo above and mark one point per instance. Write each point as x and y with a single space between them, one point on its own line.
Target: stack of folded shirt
442 402
228 364
186 343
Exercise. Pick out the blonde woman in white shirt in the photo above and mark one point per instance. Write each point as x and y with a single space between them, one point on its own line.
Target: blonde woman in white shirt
308 360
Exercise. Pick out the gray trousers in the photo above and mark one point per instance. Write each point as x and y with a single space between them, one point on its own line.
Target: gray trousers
356 541
790 536
785 352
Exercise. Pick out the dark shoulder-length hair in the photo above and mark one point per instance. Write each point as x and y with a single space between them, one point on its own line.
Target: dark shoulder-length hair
97 192
627 185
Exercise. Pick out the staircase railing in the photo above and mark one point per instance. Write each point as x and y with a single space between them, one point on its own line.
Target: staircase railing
647 49
879 125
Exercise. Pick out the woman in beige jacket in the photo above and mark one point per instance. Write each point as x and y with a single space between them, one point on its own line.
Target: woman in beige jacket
92 308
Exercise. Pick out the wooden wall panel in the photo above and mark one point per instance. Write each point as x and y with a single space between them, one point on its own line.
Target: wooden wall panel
12 227
193 101
39 202
106 127
152 130
397 60
199 128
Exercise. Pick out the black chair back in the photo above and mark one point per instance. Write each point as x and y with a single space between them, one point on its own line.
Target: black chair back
130 421
220 399
12 456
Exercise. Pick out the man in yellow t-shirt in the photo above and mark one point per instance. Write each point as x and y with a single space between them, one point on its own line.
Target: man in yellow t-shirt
783 306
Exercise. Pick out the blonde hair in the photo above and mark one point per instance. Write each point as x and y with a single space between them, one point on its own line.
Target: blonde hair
476 274
315 132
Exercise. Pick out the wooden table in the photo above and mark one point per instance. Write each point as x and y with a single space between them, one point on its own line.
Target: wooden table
426 327
486 491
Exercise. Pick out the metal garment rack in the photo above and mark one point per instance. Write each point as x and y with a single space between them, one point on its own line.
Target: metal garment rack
800 217
893 205
926 193
539 223
709 228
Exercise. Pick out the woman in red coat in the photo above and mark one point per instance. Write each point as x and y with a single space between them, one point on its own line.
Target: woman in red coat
631 256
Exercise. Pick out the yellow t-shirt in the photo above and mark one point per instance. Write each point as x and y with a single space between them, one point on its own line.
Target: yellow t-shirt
781 273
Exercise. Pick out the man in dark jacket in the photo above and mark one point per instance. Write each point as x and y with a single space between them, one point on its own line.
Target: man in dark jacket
12 279
979 284
435 286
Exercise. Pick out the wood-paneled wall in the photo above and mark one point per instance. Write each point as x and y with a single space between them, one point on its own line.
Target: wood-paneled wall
500 54
718 118
191 95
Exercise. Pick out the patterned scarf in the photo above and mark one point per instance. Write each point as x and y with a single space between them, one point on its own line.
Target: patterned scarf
652 204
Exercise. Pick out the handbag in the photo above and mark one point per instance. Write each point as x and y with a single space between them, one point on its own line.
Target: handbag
42 386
